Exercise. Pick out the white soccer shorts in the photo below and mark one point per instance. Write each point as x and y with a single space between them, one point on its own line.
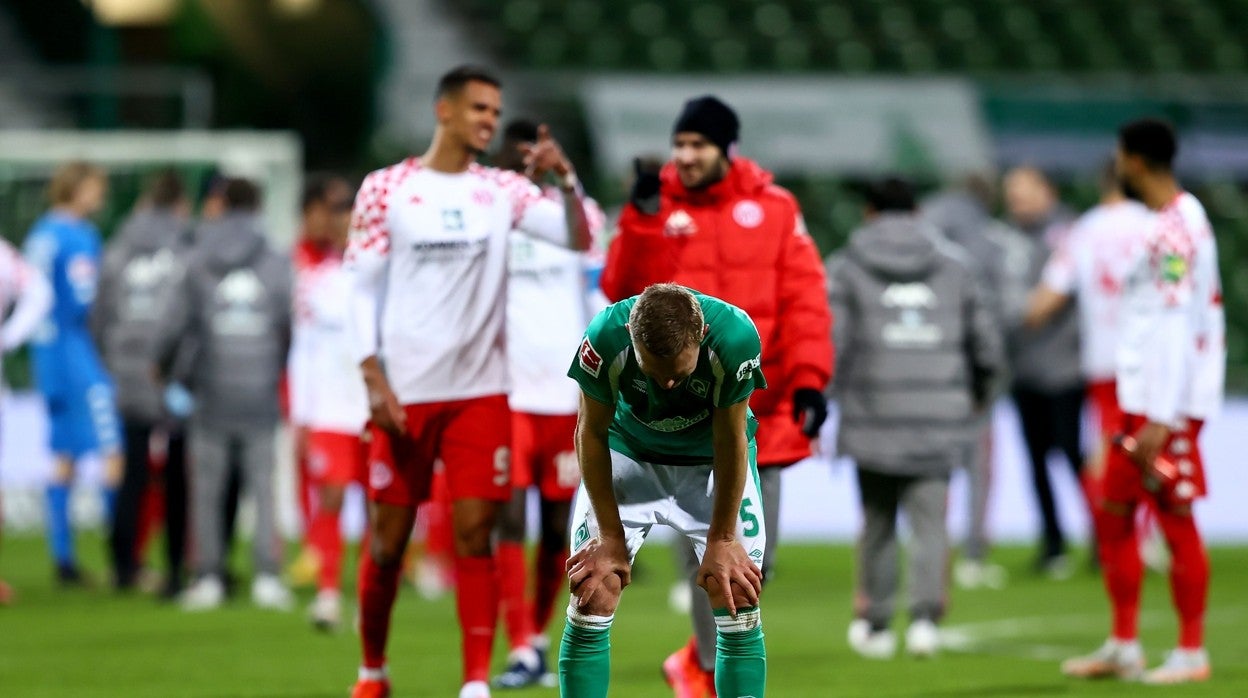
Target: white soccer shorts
678 496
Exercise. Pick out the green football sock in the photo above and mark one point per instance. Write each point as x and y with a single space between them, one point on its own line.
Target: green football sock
740 655
585 659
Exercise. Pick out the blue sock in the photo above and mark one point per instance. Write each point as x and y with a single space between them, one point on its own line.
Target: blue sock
60 535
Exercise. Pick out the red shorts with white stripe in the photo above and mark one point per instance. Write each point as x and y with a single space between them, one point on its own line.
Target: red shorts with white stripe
1126 483
472 438
335 458
543 454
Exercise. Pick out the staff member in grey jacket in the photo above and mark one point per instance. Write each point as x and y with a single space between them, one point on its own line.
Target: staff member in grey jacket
917 353
142 264
1048 380
233 306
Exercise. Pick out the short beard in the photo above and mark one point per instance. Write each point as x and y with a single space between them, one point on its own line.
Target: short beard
713 176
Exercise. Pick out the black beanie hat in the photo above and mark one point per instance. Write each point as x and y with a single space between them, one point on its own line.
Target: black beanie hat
711 118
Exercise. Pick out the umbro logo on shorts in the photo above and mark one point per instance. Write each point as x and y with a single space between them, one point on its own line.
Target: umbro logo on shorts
379 475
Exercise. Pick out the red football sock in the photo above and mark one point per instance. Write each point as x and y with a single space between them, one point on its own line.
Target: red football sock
1123 570
326 537
378 587
513 592
476 600
1189 575
550 575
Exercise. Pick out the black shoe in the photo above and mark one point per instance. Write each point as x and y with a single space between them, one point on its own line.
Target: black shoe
69 575
230 582
125 581
171 588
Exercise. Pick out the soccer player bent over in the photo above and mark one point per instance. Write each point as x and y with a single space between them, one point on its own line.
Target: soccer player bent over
428 252
1171 366
665 435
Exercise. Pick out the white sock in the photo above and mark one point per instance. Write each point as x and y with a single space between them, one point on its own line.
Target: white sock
369 674
1193 655
475 689
1129 648
540 643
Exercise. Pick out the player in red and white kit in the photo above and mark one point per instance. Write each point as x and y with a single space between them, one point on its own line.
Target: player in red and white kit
548 308
428 251
328 405
1171 364
25 299
1091 266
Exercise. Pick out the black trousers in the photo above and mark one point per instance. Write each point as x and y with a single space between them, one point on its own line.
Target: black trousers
1050 421
123 538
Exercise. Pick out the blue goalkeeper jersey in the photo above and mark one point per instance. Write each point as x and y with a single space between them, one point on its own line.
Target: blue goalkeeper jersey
68 252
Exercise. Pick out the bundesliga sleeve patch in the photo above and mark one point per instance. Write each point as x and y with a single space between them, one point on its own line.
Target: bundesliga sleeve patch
1173 268
590 361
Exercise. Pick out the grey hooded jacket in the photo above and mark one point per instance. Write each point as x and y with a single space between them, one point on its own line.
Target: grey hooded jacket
918 348
232 310
144 262
1000 255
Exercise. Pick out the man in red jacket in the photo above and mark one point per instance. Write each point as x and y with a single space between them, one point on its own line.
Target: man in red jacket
714 221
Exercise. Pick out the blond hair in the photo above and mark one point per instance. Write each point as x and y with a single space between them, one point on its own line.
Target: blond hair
67 178
666 319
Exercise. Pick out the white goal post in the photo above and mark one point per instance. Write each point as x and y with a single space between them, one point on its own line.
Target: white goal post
274 160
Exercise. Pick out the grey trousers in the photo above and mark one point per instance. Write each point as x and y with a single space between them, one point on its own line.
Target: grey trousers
211 451
700 611
924 500
978 467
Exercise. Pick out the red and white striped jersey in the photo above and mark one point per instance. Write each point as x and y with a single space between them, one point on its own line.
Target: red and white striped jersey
551 295
326 390
1172 354
1092 265
428 253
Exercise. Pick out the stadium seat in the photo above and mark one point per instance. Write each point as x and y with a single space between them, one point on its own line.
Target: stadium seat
648 19
667 54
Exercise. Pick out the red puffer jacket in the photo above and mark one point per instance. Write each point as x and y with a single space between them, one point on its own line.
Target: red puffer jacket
743 241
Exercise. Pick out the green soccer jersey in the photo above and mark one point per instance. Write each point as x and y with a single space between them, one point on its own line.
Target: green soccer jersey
672 427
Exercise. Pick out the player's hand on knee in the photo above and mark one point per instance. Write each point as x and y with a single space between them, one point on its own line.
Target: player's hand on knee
729 576
597 573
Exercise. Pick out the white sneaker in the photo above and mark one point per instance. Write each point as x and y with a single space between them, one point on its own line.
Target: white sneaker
326 611
475 689
973 574
1123 660
1181 666
205 594
880 644
922 639
267 591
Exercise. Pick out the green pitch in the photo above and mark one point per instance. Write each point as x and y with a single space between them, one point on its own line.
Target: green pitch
90 644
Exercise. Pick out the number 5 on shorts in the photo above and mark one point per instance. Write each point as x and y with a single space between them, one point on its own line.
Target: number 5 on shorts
750 521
